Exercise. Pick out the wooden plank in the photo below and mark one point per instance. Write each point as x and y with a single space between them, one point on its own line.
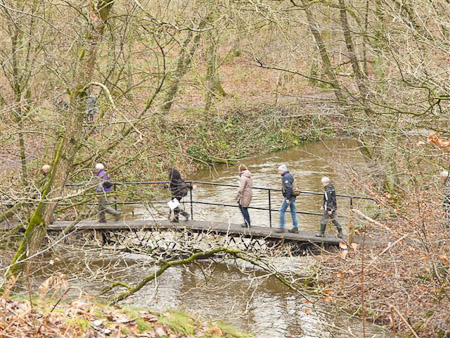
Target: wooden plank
204 226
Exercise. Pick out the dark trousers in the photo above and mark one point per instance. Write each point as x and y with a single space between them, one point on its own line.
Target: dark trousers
326 217
103 208
244 211
177 211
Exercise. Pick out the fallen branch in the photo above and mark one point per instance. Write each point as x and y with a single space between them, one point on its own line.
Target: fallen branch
405 321
192 259
387 249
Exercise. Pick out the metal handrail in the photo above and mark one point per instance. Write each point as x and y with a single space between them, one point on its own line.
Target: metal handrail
302 192
192 202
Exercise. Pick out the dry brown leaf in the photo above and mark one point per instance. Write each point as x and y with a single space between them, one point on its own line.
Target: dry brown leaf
344 254
340 274
216 331
443 258
343 245
308 311
354 246
327 298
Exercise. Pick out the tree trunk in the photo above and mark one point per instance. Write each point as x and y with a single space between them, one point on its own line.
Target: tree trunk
68 140
328 68
359 76
213 86
184 60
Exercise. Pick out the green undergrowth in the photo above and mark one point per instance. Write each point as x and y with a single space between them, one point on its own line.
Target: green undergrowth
228 137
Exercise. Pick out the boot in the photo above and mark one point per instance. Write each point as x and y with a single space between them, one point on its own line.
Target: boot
186 216
322 230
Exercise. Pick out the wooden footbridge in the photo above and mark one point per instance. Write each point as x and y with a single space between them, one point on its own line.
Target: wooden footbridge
153 231
233 230
253 237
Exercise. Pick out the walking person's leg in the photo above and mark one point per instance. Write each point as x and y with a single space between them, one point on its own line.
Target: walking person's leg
294 216
176 214
101 209
337 224
182 212
110 210
323 224
246 215
283 209
241 208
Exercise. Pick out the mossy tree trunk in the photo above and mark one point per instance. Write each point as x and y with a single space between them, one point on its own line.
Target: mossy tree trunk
185 58
69 137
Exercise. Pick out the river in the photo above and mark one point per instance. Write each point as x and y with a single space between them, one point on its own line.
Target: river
261 305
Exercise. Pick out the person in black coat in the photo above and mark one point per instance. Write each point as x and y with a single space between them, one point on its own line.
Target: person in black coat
329 208
179 189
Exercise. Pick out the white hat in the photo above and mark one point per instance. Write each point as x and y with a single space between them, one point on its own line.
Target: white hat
283 168
99 166
444 173
325 179
46 168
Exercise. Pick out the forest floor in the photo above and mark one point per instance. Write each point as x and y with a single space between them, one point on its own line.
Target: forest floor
84 318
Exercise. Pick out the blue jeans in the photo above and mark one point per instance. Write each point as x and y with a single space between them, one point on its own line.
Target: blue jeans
283 209
246 215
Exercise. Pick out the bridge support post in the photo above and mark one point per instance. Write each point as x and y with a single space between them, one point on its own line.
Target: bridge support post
270 209
192 206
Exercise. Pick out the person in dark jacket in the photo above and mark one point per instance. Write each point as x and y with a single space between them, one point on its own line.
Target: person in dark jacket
287 181
244 194
103 188
329 208
179 189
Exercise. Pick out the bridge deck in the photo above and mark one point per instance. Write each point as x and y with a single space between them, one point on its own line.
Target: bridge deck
203 226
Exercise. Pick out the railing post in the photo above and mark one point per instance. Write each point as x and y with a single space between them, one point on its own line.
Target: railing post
192 206
115 197
270 209
351 231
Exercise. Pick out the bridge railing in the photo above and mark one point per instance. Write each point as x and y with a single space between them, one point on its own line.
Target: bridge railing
190 199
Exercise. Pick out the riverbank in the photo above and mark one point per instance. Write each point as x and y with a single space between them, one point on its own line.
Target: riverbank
85 318
398 278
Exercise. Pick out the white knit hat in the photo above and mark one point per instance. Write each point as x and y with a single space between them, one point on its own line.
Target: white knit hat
283 168
46 168
99 166
325 179
444 173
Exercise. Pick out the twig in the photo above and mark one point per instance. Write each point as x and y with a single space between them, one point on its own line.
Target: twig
405 321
